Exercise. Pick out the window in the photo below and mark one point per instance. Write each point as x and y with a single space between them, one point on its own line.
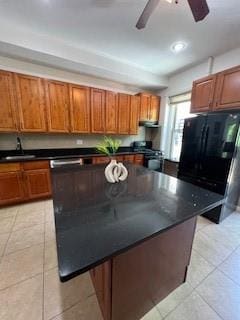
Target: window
178 109
181 112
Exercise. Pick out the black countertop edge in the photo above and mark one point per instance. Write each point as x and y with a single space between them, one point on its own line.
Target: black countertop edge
53 154
172 160
99 262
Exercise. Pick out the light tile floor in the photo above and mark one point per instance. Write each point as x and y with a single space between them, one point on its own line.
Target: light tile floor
30 288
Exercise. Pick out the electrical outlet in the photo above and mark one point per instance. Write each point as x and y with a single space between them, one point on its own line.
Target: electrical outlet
79 141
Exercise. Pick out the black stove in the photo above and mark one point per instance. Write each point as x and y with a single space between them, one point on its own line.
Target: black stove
153 159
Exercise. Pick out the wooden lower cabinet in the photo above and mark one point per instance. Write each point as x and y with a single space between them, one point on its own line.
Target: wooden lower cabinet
170 168
99 160
138 159
11 187
38 183
132 283
101 278
129 158
20 182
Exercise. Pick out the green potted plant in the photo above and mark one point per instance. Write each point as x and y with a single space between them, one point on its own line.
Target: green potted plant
108 146
114 172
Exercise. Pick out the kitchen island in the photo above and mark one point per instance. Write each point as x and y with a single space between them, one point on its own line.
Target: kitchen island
135 237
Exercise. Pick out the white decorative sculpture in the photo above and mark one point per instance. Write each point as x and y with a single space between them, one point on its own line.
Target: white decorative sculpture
115 172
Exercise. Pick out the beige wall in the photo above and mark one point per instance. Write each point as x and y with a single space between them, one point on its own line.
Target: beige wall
45 141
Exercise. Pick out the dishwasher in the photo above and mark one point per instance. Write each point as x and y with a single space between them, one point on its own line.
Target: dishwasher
67 162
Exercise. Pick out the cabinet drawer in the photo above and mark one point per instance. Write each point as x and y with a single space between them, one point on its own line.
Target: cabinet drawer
8 167
36 165
119 158
129 158
98 160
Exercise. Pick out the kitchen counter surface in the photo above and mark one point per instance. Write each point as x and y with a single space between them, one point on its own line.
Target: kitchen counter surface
54 154
96 220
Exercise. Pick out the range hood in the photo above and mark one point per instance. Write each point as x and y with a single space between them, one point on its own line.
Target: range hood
149 124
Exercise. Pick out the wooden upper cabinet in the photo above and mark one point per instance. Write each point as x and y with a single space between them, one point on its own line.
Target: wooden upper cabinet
203 94
79 109
97 110
111 112
145 106
149 107
227 94
8 118
134 114
31 103
154 108
124 102
57 96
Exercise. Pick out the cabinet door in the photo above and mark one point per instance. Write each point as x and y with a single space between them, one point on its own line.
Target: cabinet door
11 187
101 278
97 110
8 119
228 89
134 114
57 106
138 159
38 183
154 108
80 109
31 103
123 113
203 94
129 158
111 112
145 106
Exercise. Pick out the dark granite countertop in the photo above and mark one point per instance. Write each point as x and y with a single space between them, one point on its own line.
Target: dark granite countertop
96 220
53 154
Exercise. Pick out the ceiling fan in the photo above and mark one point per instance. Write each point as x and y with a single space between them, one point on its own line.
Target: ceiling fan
199 9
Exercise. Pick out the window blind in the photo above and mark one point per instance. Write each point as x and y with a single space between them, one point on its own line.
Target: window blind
180 98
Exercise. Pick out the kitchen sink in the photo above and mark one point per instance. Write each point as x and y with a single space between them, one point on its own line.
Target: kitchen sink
19 157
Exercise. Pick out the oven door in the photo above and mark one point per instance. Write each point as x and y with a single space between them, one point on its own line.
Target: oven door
155 164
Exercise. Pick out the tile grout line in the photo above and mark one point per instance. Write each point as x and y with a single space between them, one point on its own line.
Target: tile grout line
17 251
17 283
224 272
210 306
73 305
188 295
5 247
216 268
194 289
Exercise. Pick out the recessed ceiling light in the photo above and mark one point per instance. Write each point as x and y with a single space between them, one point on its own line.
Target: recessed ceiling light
178 46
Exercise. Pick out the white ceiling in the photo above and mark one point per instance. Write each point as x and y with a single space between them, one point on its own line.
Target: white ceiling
106 30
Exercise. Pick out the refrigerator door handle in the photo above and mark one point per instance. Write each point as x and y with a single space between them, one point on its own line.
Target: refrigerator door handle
202 140
205 140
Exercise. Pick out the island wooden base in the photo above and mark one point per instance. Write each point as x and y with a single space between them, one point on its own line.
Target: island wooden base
130 284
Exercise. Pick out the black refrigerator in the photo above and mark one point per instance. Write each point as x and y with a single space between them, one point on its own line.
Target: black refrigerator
207 151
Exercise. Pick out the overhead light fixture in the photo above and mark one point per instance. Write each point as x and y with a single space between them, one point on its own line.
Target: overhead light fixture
178 46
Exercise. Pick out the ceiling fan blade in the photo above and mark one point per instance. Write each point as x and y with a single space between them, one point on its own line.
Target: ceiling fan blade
199 9
148 10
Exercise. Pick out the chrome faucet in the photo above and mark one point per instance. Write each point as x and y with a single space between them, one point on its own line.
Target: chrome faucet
19 146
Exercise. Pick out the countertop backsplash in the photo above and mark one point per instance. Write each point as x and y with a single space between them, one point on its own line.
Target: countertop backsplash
49 141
